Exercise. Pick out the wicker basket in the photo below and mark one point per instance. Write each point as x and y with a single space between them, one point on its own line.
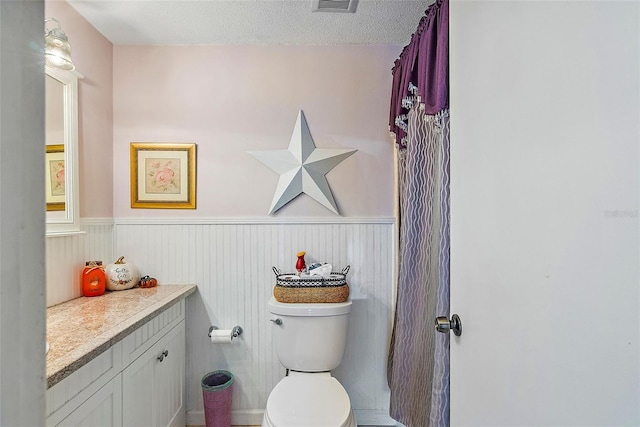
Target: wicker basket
309 294
290 288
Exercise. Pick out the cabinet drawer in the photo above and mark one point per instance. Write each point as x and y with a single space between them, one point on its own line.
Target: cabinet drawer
148 334
64 397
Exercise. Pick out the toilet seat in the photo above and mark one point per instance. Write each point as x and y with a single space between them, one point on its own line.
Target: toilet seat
310 400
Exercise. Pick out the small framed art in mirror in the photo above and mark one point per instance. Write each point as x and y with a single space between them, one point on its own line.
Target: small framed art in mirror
55 177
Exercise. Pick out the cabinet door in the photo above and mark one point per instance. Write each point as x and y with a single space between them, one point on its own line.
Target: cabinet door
153 385
170 378
102 409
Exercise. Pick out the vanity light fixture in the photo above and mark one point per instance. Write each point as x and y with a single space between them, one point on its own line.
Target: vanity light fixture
57 50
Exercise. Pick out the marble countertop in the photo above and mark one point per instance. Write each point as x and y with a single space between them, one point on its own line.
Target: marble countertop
81 329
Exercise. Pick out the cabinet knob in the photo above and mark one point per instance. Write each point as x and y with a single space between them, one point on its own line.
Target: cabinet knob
163 355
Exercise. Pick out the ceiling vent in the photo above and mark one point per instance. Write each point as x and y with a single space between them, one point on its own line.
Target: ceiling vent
348 6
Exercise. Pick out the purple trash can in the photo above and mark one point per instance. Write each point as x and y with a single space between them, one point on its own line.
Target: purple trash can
217 388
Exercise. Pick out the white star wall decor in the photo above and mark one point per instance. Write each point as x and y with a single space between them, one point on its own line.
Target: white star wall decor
302 168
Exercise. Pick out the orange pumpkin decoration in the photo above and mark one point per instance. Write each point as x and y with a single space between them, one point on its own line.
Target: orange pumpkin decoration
148 282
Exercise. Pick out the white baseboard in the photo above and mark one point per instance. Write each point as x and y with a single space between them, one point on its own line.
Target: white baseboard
253 417
248 417
372 417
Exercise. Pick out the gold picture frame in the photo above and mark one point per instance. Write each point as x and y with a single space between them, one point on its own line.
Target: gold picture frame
55 184
163 176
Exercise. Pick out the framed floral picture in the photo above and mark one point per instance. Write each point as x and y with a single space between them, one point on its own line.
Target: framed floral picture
54 177
163 176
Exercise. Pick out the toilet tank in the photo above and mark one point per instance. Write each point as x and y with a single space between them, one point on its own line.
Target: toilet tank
310 337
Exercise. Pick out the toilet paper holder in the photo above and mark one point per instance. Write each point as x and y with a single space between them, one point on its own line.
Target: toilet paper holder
235 332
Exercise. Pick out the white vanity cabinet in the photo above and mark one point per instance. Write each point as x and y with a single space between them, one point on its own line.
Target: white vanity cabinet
138 381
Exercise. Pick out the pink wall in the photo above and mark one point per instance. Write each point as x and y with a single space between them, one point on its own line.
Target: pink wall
93 55
233 99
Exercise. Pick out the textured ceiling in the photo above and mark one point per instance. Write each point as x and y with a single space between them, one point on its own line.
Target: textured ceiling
170 22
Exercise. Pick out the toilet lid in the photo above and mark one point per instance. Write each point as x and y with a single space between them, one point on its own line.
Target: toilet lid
313 400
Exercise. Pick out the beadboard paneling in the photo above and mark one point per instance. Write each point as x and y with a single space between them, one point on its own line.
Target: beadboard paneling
66 256
231 264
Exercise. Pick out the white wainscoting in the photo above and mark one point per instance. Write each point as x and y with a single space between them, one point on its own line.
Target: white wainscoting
66 256
231 261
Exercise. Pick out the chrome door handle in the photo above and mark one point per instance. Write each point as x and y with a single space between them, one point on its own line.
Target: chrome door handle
277 321
445 325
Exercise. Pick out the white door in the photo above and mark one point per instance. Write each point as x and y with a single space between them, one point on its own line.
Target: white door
544 212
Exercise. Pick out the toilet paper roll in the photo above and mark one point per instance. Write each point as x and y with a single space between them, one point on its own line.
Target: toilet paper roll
221 336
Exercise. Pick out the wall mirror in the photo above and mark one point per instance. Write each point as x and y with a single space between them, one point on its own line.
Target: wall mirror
61 152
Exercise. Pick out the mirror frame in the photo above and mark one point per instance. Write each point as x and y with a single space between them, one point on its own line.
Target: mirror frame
69 224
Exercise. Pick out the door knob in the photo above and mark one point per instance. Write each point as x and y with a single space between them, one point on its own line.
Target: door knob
445 325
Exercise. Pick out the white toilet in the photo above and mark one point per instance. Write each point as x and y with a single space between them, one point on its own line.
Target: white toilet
310 341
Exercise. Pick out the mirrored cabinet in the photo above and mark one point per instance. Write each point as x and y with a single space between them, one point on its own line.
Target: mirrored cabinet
61 152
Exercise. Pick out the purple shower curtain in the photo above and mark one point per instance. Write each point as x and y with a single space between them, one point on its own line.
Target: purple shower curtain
418 365
423 64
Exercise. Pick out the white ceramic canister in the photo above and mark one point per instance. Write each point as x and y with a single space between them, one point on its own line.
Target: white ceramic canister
121 275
